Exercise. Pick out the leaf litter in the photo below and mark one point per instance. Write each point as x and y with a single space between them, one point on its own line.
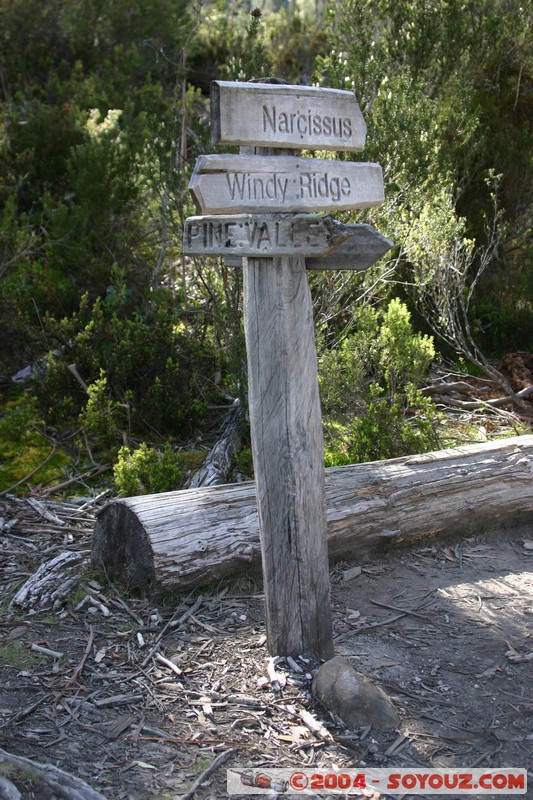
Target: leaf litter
146 699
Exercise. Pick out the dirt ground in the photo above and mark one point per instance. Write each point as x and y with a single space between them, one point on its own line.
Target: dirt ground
146 697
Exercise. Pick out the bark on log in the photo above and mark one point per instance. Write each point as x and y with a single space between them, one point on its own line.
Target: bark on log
52 584
216 467
188 538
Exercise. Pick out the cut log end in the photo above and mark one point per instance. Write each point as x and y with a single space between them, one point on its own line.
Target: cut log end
122 549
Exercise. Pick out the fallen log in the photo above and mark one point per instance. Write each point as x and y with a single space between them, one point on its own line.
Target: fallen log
182 539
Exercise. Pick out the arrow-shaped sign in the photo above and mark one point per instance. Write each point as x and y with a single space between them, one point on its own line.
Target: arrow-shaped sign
230 184
278 115
362 248
262 235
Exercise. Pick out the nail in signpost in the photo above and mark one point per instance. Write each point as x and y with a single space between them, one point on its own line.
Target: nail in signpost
256 210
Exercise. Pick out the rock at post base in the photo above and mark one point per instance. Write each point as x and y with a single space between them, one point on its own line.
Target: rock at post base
350 695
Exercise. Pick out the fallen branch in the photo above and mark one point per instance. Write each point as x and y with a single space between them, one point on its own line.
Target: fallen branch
202 778
476 402
86 654
172 623
63 784
168 663
216 468
45 651
27 477
454 386
92 473
408 611
315 726
52 584
43 512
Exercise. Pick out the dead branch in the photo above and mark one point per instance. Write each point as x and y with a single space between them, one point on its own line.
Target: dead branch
92 473
52 584
219 760
63 784
454 386
27 477
216 467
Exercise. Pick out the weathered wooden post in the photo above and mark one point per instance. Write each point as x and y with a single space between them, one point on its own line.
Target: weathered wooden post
253 200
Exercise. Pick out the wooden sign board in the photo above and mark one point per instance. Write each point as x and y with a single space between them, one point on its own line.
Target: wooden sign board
278 115
362 248
230 184
263 235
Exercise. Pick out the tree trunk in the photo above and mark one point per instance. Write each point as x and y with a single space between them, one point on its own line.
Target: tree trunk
188 538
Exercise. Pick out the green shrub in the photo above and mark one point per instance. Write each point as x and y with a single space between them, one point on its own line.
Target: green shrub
372 407
388 428
156 370
404 356
99 417
146 470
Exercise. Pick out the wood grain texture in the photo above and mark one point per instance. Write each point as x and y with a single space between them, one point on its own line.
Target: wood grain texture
272 115
362 248
183 539
288 454
234 184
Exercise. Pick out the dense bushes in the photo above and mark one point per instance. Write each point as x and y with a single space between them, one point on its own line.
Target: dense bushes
146 372
446 91
147 470
104 111
92 195
372 407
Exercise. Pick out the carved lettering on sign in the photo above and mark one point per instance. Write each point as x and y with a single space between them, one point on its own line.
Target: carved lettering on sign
263 234
235 184
305 123
295 117
314 185
245 186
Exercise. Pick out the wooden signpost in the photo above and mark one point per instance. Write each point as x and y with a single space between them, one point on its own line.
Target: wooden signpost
263 234
295 117
361 248
249 200
228 184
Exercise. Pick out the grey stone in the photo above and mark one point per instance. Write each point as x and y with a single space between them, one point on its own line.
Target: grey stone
356 700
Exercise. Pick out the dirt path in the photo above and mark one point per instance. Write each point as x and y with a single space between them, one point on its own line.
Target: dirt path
146 696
